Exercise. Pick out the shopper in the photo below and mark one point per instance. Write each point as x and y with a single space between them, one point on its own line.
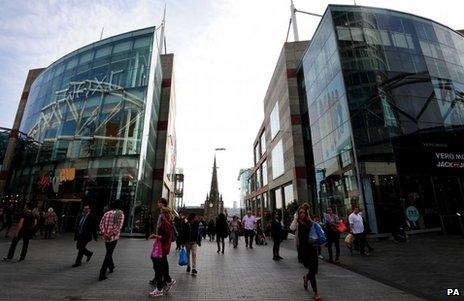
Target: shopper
294 227
85 230
189 241
211 230
249 225
164 231
7 219
277 234
24 231
110 228
333 236
51 219
308 251
357 229
222 231
234 227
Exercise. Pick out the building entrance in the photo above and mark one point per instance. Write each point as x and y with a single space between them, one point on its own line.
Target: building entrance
450 199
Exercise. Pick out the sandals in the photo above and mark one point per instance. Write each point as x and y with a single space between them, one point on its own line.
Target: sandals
305 282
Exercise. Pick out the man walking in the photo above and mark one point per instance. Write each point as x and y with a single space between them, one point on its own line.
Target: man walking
86 228
110 228
357 228
25 231
249 225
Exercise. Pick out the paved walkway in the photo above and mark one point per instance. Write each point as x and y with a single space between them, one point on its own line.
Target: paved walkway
424 266
240 273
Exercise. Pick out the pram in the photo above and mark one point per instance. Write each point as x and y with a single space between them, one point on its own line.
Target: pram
260 238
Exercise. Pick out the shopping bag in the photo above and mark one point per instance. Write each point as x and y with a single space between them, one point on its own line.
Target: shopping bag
157 250
341 227
316 235
349 239
183 258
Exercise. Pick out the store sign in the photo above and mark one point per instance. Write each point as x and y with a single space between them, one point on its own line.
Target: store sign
66 174
412 214
449 160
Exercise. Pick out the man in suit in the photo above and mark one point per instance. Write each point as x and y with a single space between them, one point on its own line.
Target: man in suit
86 228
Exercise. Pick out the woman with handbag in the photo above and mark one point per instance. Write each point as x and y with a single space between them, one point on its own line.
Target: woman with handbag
161 249
308 251
332 222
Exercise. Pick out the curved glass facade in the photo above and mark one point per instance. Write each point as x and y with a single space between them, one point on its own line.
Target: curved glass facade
390 86
94 114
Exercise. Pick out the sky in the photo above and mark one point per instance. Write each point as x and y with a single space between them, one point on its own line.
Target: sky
225 53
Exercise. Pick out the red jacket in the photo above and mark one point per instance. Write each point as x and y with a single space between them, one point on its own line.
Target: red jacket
165 231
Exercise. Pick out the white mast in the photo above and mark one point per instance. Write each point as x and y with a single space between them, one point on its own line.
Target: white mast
293 21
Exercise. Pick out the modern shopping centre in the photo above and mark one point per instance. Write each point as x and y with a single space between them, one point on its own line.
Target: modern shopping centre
375 120
94 115
384 91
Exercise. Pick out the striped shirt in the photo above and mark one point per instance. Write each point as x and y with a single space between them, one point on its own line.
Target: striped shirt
111 224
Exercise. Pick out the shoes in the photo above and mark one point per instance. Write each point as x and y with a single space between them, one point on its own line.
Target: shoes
89 256
305 282
152 282
251 247
222 252
76 265
188 269
155 293
169 285
280 258
275 258
218 251
317 297
6 259
194 272
102 277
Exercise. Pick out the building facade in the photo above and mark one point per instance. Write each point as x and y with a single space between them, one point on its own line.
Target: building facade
279 176
95 116
384 91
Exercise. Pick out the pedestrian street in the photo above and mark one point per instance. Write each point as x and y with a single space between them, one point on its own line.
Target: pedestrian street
239 274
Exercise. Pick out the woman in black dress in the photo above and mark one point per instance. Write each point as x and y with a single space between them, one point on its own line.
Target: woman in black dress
308 252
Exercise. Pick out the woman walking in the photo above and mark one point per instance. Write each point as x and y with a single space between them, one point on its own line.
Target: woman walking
164 230
307 251
234 229
333 236
50 222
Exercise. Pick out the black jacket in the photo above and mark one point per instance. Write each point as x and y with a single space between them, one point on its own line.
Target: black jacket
89 228
189 232
277 231
222 228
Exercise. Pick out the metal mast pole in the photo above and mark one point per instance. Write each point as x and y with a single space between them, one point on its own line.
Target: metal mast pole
293 21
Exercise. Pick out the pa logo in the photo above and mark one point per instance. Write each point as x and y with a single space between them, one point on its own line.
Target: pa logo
453 292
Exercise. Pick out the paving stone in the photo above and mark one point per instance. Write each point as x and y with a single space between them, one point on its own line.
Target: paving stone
239 274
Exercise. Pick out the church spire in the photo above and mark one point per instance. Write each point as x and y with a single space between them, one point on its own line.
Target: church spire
214 191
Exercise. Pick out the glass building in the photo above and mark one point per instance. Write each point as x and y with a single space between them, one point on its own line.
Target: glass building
94 115
384 92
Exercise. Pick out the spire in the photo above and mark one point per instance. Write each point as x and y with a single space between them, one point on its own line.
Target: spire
214 191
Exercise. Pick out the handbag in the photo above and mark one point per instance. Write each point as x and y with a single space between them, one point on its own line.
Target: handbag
183 258
341 227
157 250
349 239
316 235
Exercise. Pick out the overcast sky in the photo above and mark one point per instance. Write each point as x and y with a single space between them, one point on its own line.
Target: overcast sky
225 53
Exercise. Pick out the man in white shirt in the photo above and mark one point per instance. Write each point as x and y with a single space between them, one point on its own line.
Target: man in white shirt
249 225
357 228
